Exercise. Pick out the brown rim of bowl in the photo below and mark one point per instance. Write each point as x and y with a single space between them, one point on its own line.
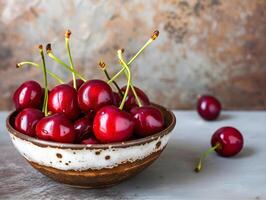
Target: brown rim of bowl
140 141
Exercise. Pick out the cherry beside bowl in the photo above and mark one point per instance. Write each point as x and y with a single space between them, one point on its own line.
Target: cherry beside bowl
92 166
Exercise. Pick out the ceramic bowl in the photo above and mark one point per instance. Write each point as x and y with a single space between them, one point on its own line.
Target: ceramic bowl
92 166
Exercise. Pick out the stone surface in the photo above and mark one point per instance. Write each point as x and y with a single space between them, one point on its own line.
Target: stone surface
205 46
171 176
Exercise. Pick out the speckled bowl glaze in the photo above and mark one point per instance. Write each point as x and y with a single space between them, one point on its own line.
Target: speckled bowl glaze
92 166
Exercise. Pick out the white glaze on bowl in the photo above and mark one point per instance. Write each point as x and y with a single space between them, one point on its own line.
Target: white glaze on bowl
85 159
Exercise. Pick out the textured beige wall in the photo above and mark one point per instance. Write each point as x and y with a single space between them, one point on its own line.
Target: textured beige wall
208 46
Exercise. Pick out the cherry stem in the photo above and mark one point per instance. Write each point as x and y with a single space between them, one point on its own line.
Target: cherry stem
38 66
151 39
119 54
56 59
45 102
103 68
204 156
136 95
132 87
67 36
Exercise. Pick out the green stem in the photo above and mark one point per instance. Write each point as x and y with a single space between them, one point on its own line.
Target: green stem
45 102
119 53
38 66
103 68
140 51
116 75
136 95
115 84
131 60
151 39
133 89
204 156
67 35
56 59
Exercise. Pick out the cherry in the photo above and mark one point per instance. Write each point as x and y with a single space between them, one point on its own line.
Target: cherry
149 120
208 107
26 120
94 94
83 128
131 100
226 141
230 141
90 140
57 128
112 125
79 83
63 99
28 95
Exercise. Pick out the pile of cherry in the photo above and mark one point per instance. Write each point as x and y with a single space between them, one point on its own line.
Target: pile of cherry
85 111
90 112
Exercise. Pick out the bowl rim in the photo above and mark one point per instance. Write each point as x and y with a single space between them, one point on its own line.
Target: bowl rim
140 141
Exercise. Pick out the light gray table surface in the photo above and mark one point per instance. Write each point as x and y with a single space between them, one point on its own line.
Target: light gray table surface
171 176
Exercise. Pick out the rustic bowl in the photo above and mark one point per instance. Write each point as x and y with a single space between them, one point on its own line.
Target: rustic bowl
91 166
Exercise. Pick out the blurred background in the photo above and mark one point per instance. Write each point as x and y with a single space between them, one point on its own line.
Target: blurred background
213 47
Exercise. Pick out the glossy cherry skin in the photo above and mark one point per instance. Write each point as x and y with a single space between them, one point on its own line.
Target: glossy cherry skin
230 139
209 107
90 140
79 83
57 128
117 99
113 125
94 94
63 99
26 120
83 128
28 95
149 120
131 101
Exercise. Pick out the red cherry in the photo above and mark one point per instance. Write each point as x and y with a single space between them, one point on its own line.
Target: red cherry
112 125
149 120
131 101
57 128
26 120
226 141
79 83
230 141
83 128
90 140
63 99
117 99
208 107
94 94
28 95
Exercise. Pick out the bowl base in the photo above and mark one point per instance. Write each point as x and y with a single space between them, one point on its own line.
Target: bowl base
101 178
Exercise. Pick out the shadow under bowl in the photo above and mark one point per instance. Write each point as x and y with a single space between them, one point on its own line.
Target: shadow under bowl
92 166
